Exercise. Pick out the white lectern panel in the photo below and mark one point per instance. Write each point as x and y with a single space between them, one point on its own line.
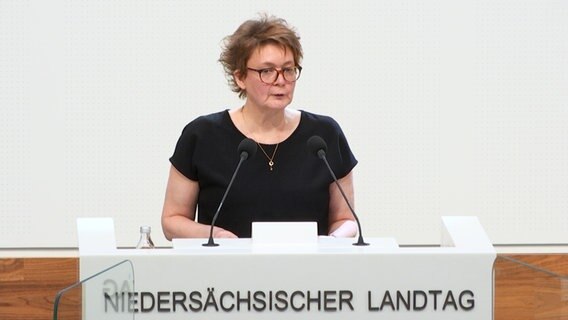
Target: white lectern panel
332 280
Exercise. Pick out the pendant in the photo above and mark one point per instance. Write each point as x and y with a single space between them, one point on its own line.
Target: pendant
270 163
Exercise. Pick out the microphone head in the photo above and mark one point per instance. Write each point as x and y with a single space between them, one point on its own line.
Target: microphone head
317 146
247 148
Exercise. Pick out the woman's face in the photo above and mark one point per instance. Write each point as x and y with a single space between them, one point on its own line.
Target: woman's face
277 95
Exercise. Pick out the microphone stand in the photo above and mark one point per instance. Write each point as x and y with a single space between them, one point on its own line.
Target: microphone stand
210 242
360 241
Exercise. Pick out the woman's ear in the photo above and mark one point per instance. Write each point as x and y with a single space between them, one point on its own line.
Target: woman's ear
239 80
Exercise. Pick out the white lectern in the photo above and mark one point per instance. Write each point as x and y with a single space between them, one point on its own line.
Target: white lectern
322 278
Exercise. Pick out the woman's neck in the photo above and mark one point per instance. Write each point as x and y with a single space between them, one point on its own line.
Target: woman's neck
264 118
267 127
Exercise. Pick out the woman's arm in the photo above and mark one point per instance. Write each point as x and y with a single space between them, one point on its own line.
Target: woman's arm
178 215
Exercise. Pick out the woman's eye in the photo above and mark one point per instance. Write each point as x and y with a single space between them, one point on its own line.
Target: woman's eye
267 71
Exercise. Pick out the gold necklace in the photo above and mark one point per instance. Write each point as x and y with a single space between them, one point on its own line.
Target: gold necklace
270 159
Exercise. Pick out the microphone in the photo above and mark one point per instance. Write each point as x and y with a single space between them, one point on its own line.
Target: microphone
246 149
318 147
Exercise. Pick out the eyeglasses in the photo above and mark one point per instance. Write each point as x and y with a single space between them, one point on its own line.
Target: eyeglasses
270 75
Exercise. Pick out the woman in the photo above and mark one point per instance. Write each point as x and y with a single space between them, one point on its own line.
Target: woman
281 182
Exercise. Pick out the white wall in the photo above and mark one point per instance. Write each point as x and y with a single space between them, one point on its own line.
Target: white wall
451 107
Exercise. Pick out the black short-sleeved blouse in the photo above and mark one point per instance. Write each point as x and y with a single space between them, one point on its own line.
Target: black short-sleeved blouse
296 190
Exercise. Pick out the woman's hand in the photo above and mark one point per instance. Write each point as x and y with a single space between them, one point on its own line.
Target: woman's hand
346 230
222 233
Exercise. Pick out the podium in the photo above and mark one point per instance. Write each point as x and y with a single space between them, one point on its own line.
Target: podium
327 278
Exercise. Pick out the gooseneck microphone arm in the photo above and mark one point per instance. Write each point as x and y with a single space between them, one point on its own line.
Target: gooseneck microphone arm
247 148
318 146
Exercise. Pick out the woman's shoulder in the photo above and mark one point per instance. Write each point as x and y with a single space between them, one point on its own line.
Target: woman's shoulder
208 121
315 119
212 118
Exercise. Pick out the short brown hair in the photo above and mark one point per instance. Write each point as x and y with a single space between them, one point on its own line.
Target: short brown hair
251 35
